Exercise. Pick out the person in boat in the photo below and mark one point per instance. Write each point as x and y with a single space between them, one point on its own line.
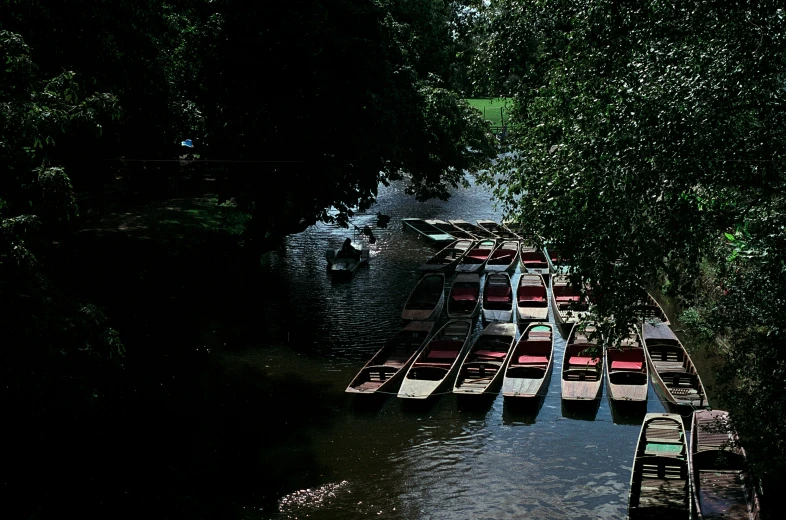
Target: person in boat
347 251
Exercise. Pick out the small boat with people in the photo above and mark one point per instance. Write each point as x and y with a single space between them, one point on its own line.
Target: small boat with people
482 368
427 231
499 230
464 297
721 485
437 362
582 365
445 260
673 373
386 368
427 299
627 372
497 303
529 366
342 263
504 257
567 302
531 299
659 477
474 260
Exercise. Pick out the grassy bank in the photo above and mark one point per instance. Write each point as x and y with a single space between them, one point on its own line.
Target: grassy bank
493 109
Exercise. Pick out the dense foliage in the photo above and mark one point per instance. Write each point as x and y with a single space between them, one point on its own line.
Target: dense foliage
651 148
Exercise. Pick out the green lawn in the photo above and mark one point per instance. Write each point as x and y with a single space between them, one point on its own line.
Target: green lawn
494 109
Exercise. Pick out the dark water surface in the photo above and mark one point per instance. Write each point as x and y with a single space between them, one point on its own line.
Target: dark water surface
353 458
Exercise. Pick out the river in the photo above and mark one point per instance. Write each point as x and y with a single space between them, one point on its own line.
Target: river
344 458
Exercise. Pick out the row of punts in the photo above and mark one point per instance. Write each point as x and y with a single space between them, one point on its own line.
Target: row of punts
672 477
704 476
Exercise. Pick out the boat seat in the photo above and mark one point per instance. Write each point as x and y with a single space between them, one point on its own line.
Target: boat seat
491 354
442 354
532 360
498 294
535 334
582 361
627 365
465 294
479 254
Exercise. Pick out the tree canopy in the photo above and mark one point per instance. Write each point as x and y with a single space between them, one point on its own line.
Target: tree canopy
650 147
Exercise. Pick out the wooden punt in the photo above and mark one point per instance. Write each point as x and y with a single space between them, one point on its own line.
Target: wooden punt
533 261
437 362
472 228
673 372
427 231
582 366
446 259
649 310
660 474
426 300
497 304
464 298
529 367
386 368
504 257
475 258
342 267
447 227
531 299
568 304
627 374
720 483
499 230
482 368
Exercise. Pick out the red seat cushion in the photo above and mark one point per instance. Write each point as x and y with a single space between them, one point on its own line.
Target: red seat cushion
581 360
532 360
491 354
442 354
626 365
465 294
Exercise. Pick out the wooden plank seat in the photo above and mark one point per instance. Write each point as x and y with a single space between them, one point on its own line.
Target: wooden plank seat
532 360
627 365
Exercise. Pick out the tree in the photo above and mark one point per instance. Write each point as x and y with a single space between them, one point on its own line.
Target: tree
647 132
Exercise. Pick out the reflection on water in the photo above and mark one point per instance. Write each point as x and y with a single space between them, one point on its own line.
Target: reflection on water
441 460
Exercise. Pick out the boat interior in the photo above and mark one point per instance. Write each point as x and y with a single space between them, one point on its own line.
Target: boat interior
498 294
464 296
582 362
531 357
531 294
627 366
533 258
568 298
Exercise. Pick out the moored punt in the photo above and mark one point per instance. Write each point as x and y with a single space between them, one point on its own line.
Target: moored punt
568 304
627 374
659 477
426 300
498 230
531 299
673 372
427 231
558 263
504 257
472 228
437 362
533 261
720 483
475 258
650 310
482 367
464 297
582 366
446 259
386 368
529 366
447 227
497 304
